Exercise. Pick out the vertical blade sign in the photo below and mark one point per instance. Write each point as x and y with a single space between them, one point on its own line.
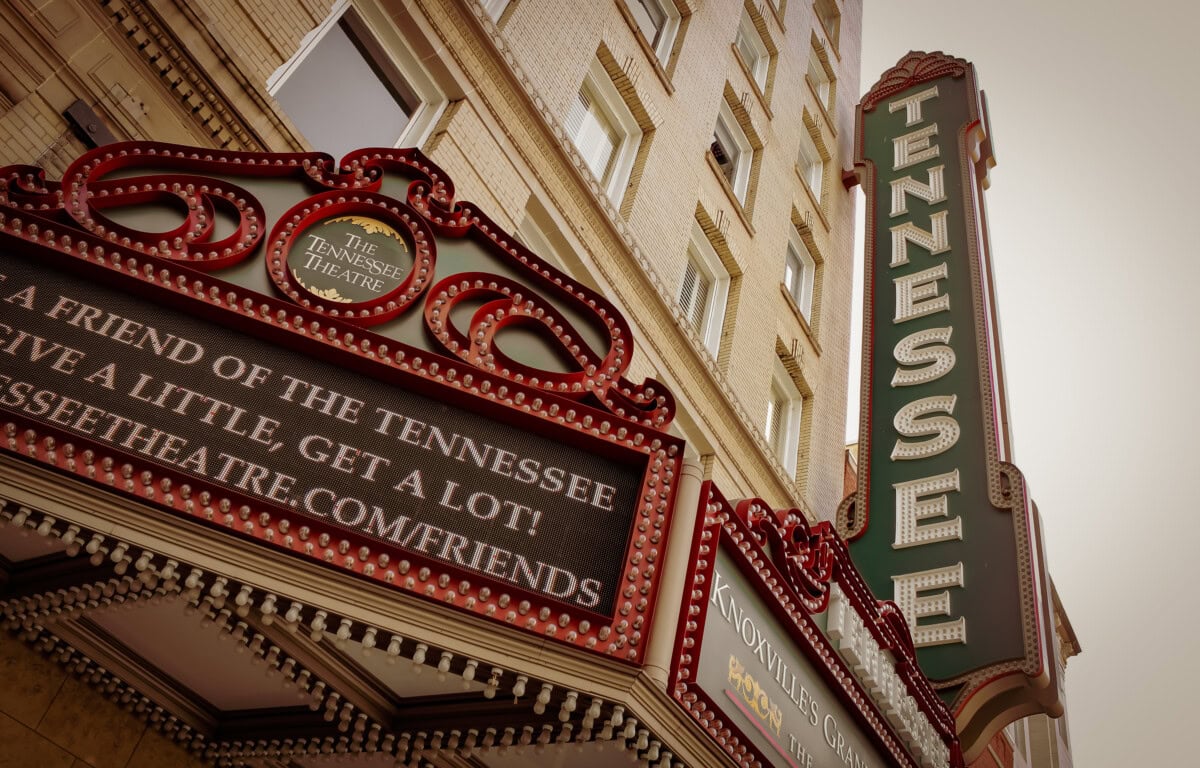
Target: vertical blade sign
941 522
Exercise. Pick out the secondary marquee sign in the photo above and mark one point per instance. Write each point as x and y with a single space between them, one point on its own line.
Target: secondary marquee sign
786 659
942 522
344 364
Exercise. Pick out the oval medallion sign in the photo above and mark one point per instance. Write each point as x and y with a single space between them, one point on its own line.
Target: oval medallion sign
349 259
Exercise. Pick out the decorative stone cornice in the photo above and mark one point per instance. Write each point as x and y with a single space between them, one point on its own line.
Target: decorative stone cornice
162 50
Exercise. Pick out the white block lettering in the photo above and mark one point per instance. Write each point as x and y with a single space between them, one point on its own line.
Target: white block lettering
912 105
933 192
917 294
919 349
914 147
913 421
915 607
914 505
936 240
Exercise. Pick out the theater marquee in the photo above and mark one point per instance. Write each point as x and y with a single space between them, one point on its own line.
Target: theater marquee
785 657
941 520
478 446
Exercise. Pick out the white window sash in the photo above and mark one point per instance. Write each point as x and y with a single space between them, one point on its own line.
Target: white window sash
390 51
704 290
663 18
495 8
812 166
594 135
785 406
732 138
753 51
800 270
819 78
604 131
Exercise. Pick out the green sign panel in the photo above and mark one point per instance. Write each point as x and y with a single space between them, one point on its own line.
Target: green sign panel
941 522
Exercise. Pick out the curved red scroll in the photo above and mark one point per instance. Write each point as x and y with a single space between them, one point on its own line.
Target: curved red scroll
803 553
196 182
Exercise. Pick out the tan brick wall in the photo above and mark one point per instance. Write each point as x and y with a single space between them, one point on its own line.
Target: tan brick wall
50 719
263 34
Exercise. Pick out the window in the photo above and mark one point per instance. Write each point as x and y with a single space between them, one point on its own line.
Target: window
810 163
344 91
799 274
658 21
732 151
785 406
827 12
604 131
703 290
753 50
495 8
820 79
736 153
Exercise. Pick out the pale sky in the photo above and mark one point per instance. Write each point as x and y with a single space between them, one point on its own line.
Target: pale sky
1094 217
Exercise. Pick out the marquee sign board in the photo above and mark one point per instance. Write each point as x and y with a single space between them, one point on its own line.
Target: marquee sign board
478 446
786 659
941 520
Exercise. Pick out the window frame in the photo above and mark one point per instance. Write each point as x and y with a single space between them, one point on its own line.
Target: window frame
820 79
666 34
830 18
801 290
386 51
759 69
494 8
785 443
739 179
703 256
603 93
811 163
